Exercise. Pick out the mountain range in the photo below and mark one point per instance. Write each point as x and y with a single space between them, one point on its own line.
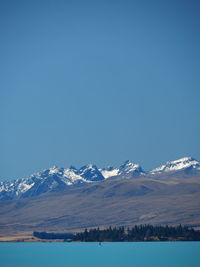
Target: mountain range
57 179
62 200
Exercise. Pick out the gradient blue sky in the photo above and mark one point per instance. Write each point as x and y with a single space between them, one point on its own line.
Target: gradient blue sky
98 81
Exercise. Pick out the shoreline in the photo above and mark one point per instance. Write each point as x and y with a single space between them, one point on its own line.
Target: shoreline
141 233
32 240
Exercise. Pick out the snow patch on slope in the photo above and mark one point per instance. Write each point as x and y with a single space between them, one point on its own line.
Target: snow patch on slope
109 172
69 177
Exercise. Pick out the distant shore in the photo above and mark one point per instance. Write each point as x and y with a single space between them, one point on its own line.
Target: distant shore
138 233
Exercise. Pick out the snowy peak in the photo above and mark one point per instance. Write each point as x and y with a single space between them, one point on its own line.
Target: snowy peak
177 165
53 170
68 176
45 181
129 167
91 173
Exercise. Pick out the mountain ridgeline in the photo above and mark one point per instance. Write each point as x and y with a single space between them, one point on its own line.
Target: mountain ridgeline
57 179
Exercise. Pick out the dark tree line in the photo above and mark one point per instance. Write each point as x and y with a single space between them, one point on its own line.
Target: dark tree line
120 234
140 233
45 235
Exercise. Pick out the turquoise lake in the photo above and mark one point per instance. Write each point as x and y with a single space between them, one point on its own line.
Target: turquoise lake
108 254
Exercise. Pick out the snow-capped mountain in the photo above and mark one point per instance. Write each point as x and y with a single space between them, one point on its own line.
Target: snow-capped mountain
128 168
52 179
131 168
56 179
91 173
186 163
46 181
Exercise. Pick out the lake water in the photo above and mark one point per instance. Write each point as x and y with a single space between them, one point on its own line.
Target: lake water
108 254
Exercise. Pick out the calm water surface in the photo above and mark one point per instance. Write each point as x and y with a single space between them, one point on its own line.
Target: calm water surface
109 254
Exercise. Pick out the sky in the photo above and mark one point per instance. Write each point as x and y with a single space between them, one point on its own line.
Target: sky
98 82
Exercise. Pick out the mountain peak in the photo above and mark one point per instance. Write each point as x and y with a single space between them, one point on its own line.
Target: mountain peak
53 170
90 172
129 167
179 164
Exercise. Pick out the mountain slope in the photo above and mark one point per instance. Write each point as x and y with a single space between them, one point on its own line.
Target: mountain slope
110 202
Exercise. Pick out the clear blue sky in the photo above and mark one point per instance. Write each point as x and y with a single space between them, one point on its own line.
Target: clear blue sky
98 81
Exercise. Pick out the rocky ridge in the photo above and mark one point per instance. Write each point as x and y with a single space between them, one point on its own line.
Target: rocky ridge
56 179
